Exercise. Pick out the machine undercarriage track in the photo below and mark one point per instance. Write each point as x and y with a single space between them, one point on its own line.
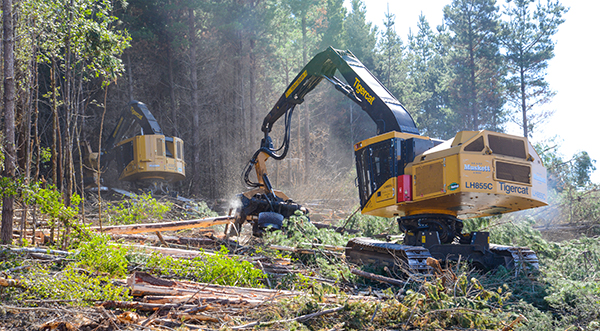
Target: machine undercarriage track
409 259
412 260
521 258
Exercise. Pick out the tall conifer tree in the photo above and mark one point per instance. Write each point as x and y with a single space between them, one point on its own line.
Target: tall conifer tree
527 37
361 36
426 89
476 90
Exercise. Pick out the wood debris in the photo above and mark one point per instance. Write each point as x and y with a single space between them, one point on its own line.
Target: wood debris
165 226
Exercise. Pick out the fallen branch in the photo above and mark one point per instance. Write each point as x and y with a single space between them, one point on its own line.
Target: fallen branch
515 322
37 250
379 278
10 283
174 252
165 226
173 241
296 319
306 251
148 306
327 247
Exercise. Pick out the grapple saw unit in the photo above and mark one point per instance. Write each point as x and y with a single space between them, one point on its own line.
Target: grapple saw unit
428 185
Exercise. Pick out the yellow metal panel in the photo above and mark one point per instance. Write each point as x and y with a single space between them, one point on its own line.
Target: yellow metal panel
428 179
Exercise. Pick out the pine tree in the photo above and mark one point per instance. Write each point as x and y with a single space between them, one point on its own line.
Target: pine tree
9 120
426 89
476 90
334 30
527 38
390 67
361 36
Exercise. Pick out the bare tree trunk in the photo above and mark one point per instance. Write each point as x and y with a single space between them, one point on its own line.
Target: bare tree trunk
307 109
99 156
195 96
129 77
36 137
523 103
68 160
55 125
174 112
9 120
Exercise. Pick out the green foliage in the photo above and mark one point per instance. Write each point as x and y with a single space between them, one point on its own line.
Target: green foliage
425 91
373 225
1 152
476 89
47 197
508 231
200 210
526 35
139 208
217 268
300 231
71 283
361 35
87 28
565 174
428 306
45 154
98 255
566 291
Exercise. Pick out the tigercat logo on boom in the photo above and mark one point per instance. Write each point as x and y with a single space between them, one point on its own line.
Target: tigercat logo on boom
361 90
135 113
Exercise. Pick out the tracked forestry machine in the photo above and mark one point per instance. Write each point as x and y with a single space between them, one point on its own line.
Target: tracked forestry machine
428 185
149 159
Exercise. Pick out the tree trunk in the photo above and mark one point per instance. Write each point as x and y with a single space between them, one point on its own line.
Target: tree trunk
307 109
9 120
195 104
129 77
523 103
174 112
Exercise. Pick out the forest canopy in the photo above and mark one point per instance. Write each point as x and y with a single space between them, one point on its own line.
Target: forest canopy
210 70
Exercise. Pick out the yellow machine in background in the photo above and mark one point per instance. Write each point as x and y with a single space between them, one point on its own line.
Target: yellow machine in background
149 159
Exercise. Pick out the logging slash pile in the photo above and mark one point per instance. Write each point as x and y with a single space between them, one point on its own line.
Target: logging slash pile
172 272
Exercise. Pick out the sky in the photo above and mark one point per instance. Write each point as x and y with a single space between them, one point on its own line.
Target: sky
574 72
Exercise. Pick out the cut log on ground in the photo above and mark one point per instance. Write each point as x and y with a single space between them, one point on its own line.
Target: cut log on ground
150 306
144 284
381 279
166 226
298 319
181 241
174 252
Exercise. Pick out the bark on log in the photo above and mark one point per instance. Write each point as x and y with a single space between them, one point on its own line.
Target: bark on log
298 319
149 306
306 251
379 278
183 241
10 283
165 226
175 252
143 284
37 250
